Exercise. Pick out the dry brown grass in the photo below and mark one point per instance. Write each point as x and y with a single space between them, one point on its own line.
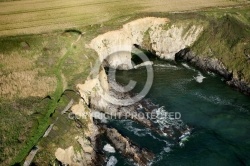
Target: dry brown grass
15 62
22 71
26 84
185 5
26 16
19 79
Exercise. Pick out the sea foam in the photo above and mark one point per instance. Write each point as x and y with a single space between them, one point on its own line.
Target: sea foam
199 78
112 161
109 148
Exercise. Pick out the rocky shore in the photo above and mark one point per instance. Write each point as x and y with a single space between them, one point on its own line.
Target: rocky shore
213 65
99 93
165 40
139 155
93 93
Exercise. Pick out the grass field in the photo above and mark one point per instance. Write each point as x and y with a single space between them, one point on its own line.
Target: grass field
24 81
38 58
38 16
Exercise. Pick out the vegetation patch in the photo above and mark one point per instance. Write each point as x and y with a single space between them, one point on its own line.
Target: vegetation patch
35 66
226 38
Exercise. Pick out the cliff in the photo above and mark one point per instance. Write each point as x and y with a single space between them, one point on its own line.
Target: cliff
164 39
193 42
222 48
219 44
167 40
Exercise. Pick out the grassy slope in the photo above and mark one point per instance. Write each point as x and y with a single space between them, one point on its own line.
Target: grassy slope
226 38
53 53
32 115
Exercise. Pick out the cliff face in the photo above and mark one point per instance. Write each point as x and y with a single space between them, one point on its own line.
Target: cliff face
204 63
216 66
167 41
94 88
217 50
115 47
222 48
81 150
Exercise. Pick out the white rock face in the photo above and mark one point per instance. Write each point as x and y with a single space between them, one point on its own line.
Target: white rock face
95 88
68 156
167 43
79 109
115 47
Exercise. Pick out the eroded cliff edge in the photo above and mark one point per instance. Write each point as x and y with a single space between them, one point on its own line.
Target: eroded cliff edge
155 34
220 46
176 40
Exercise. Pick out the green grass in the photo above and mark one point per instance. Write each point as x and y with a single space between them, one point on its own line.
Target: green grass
26 113
224 34
74 74
226 38
59 135
63 133
44 122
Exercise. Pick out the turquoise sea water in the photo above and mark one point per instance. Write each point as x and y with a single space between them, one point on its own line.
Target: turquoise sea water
219 115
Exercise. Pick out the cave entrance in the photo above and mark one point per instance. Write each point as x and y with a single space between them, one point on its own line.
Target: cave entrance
137 50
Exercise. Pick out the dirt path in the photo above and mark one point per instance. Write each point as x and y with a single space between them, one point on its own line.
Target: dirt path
79 37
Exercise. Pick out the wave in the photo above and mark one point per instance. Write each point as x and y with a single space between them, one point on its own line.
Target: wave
218 101
112 161
187 66
160 156
109 148
163 119
181 84
168 66
167 149
147 63
211 73
199 78
128 124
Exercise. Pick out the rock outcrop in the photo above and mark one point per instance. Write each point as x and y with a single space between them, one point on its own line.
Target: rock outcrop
72 157
216 66
114 48
141 156
164 39
204 63
94 87
82 151
241 85
68 156
100 94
